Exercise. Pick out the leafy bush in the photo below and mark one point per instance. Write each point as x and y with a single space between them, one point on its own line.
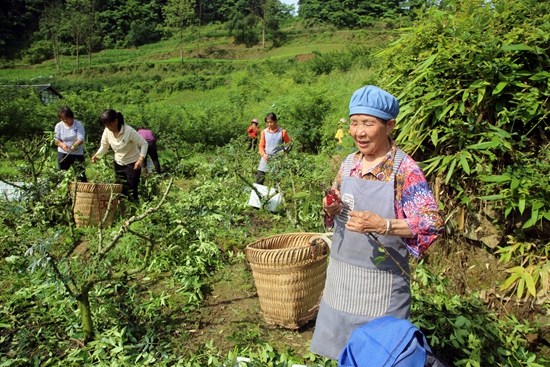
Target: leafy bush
39 51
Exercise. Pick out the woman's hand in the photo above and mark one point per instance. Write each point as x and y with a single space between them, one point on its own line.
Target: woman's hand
65 147
265 157
364 222
94 158
332 209
138 164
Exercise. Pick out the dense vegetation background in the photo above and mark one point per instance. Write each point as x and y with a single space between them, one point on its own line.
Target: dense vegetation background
472 79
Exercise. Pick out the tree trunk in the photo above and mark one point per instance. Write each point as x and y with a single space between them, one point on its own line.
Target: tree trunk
86 312
77 56
181 44
199 33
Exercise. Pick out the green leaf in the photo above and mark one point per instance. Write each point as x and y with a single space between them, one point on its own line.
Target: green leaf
492 197
531 222
540 76
519 47
511 280
484 145
500 86
434 136
496 178
530 282
521 204
464 164
300 195
514 184
450 171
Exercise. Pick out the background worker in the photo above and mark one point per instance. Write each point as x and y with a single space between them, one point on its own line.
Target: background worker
253 131
271 142
69 139
151 146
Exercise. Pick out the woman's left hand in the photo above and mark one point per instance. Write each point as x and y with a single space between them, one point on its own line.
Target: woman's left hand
364 222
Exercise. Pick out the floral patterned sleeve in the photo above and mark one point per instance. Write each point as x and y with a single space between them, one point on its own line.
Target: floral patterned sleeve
416 204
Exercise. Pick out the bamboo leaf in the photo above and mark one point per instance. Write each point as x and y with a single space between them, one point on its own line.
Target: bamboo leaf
492 197
496 178
450 171
464 164
434 136
530 282
508 282
484 145
521 287
531 222
521 205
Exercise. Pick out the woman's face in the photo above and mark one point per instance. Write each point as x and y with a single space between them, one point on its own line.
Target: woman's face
271 124
112 125
370 134
66 120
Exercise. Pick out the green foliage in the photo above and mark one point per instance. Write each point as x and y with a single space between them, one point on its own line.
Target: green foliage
461 331
472 80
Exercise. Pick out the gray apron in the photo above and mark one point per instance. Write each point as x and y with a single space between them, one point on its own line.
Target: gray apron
356 290
273 142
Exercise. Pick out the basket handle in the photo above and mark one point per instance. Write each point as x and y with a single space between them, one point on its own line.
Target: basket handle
313 246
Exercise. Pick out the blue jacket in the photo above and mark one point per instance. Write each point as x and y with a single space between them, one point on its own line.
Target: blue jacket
385 342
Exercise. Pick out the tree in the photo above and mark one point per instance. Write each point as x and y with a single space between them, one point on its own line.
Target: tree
178 14
75 15
51 26
90 27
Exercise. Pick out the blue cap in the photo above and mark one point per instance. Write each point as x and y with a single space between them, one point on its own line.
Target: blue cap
371 100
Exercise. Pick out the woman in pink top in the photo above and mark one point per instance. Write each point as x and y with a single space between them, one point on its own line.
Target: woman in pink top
152 146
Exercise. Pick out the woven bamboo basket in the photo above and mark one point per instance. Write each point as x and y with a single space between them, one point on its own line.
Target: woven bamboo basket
92 201
289 271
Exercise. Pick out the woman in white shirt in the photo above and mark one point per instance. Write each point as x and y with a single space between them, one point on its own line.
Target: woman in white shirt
69 138
129 147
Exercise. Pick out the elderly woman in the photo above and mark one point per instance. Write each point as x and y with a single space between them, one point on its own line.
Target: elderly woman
384 200
130 150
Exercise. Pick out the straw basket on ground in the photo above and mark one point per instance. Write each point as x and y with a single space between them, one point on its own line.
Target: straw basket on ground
92 201
289 272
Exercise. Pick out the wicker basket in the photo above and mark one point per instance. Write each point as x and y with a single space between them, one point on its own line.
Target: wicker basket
289 272
92 201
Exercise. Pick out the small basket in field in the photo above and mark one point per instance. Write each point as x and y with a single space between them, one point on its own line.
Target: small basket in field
289 271
92 201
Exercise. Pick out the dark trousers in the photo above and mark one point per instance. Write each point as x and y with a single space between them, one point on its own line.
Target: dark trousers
65 161
152 152
260 177
252 142
129 178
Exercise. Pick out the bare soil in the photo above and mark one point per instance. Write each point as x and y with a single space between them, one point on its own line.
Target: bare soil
231 314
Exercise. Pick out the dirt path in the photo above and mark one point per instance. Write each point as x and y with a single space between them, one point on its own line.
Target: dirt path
231 316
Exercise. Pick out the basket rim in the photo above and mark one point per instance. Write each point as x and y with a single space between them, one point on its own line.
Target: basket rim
250 245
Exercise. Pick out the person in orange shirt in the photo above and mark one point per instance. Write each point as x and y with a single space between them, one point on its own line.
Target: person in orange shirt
253 131
271 143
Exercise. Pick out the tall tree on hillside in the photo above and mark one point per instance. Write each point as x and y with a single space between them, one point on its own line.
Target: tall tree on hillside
247 14
51 25
75 16
90 27
178 14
